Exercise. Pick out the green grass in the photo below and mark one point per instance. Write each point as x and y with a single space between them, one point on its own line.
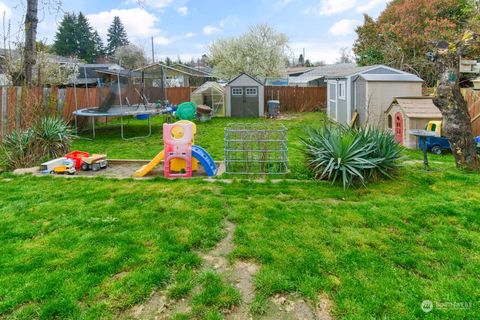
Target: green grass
92 248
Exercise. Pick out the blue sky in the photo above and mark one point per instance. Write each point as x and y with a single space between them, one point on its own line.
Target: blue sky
184 28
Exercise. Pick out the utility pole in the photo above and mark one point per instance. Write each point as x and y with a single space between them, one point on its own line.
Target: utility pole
153 52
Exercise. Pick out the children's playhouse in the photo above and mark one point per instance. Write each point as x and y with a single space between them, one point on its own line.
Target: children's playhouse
410 113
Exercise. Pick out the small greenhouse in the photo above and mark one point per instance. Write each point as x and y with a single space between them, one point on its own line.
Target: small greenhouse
211 94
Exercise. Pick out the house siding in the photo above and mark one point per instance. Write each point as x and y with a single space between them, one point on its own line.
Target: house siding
342 104
360 99
381 94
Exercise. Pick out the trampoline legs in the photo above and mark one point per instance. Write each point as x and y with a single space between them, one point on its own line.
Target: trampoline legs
122 130
139 137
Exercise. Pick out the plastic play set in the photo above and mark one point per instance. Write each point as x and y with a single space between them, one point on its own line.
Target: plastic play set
180 155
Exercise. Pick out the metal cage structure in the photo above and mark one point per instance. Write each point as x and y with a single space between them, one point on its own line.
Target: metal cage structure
256 148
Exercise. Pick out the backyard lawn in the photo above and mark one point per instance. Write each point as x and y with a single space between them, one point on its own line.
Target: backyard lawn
95 248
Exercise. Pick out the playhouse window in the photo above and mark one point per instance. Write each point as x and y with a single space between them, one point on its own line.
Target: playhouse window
390 121
237 91
341 90
251 91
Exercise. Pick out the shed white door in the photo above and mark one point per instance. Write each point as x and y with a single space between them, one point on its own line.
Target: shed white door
332 99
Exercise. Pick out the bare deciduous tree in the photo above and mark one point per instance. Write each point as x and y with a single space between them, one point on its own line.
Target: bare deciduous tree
31 21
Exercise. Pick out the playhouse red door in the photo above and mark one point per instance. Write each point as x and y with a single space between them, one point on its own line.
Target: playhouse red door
399 128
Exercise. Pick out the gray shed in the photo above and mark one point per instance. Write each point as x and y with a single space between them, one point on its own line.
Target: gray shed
366 92
245 97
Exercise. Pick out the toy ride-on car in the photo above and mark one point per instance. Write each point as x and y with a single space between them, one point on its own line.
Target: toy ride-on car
95 162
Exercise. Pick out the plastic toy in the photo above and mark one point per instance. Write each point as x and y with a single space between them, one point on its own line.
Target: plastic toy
67 167
435 144
49 166
186 111
180 154
95 162
438 143
77 156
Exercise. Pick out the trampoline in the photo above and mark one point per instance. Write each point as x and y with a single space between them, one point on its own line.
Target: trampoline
114 102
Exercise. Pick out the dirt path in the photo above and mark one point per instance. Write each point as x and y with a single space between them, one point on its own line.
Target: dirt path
241 274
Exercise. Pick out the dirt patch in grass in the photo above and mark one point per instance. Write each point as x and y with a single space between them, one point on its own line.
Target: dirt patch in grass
292 307
241 275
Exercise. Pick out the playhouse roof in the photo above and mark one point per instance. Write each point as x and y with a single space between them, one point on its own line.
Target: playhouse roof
416 107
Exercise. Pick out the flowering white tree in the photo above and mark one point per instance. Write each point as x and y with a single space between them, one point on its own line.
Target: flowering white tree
260 52
130 56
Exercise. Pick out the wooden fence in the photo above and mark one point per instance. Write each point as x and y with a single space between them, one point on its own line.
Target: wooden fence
473 100
298 99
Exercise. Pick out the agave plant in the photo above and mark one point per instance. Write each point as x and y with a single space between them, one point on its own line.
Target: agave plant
16 149
386 148
336 153
49 138
53 136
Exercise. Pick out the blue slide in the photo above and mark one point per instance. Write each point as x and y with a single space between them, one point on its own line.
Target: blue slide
205 160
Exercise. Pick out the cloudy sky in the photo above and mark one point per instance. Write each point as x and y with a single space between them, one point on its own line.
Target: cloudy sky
184 28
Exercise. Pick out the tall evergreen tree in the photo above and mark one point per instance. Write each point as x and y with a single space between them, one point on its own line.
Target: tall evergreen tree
66 40
99 47
116 37
85 39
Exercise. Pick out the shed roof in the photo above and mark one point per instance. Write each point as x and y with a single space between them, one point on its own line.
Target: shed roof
402 77
246 74
416 107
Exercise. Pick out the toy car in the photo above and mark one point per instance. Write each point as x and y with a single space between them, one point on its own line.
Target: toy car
49 166
95 162
436 145
68 167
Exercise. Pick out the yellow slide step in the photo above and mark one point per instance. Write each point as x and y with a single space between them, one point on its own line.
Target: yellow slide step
143 171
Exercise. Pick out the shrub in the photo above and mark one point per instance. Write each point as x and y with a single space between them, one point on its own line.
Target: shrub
48 138
334 152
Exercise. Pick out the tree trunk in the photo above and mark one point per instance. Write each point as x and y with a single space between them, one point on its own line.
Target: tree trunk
456 119
31 21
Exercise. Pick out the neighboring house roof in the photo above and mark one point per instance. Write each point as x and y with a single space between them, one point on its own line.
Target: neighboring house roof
178 69
243 73
327 71
89 70
403 77
416 107
121 73
202 71
297 71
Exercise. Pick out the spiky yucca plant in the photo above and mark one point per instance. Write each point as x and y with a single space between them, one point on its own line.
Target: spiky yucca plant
334 152
53 136
48 138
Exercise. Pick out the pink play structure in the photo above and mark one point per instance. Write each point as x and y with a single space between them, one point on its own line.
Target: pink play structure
178 141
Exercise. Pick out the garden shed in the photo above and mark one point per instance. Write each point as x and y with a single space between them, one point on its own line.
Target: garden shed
211 94
245 97
363 93
409 113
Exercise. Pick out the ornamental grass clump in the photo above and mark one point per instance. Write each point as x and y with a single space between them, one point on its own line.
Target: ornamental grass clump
353 156
48 138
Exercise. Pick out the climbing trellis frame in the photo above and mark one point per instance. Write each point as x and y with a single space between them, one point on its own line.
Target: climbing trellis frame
256 148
